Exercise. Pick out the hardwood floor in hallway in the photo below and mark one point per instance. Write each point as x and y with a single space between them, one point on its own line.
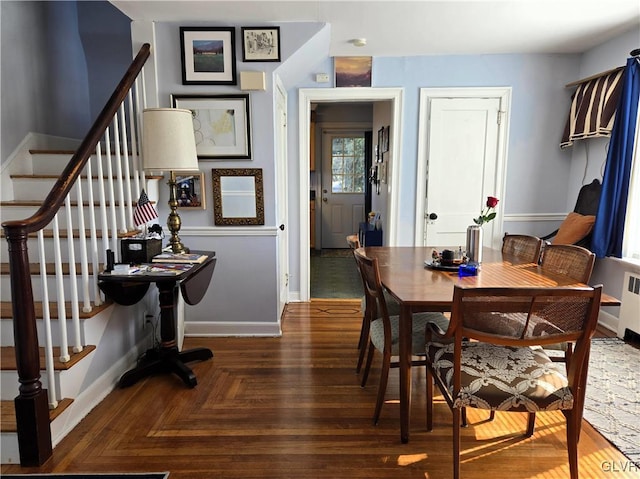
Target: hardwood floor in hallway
292 408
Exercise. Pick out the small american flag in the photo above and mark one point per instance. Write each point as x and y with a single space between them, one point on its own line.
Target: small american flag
144 211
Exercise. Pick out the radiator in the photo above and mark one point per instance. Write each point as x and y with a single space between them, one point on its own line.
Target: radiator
629 320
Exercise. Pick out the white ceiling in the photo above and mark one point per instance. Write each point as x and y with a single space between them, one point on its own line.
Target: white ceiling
427 27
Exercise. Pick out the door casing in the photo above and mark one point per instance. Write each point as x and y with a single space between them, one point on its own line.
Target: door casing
306 96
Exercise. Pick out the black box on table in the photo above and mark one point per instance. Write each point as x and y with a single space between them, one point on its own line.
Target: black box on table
135 250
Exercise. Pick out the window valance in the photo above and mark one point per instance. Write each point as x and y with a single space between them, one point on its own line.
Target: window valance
593 108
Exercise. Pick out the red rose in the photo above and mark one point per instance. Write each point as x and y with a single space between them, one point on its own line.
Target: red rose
492 202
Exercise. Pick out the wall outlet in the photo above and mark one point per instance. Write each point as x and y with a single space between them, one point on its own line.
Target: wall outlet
322 77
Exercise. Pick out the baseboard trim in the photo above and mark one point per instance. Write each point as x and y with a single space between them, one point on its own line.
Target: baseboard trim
222 329
608 321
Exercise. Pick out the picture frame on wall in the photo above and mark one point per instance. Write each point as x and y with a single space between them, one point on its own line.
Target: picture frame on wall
221 124
260 44
385 139
352 71
191 193
208 55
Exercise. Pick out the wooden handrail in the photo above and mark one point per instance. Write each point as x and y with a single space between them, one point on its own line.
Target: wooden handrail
31 405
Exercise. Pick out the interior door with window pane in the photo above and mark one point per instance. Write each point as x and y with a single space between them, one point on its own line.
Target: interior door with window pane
343 186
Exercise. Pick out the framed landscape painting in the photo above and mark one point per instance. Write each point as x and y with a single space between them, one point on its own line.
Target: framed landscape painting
353 71
221 124
208 55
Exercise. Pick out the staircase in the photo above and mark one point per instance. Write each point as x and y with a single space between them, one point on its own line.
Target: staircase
63 345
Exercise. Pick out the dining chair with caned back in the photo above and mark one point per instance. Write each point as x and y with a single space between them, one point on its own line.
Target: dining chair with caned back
462 361
573 261
524 247
384 329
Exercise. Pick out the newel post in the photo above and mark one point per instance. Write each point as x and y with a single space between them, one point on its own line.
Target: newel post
31 404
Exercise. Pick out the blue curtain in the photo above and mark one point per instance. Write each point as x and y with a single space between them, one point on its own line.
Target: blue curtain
609 226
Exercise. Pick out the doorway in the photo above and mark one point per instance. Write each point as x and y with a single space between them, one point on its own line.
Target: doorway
322 95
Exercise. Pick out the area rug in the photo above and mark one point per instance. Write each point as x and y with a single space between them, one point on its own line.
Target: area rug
83 475
335 277
612 403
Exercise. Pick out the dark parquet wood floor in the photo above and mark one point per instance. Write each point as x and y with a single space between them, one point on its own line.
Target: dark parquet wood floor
292 407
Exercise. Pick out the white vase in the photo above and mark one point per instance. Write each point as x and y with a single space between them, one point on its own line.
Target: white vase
474 244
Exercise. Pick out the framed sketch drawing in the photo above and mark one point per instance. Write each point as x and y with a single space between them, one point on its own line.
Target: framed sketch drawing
208 55
221 124
260 44
190 185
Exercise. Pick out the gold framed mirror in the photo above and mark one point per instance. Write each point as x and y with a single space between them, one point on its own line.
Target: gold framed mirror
238 198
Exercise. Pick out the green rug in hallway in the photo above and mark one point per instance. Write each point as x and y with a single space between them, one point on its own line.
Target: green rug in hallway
335 277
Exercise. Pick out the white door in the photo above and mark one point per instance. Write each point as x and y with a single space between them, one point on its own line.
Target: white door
282 196
343 185
462 168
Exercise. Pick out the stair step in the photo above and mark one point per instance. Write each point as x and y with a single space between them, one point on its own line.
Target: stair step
8 414
34 268
8 358
6 309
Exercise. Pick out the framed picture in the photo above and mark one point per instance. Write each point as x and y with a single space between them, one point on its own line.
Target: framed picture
208 55
379 148
190 186
260 44
238 198
385 139
221 124
353 71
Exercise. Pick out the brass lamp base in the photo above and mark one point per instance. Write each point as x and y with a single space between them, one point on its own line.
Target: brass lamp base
173 222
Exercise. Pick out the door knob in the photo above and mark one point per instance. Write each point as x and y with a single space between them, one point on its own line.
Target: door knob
433 216
325 200
281 227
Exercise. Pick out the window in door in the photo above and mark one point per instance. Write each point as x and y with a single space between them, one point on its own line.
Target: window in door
347 164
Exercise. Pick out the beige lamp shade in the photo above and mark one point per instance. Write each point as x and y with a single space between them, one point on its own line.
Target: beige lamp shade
168 141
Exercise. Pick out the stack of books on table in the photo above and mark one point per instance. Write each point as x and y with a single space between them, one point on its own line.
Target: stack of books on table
179 258
168 268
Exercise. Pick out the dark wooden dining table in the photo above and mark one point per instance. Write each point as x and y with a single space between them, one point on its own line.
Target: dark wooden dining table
417 287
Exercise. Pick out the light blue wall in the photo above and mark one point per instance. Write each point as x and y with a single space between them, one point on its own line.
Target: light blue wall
60 63
23 32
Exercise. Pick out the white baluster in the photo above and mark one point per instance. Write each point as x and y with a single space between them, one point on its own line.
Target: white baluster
119 179
73 279
95 261
84 262
62 312
135 159
46 318
103 201
127 170
112 198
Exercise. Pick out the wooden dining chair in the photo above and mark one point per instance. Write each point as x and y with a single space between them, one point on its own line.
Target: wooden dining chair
573 261
384 329
463 360
393 307
568 260
524 247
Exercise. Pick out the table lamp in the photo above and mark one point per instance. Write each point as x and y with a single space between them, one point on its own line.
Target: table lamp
168 144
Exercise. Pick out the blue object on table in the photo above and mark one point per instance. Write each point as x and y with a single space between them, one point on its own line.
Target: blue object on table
468 269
